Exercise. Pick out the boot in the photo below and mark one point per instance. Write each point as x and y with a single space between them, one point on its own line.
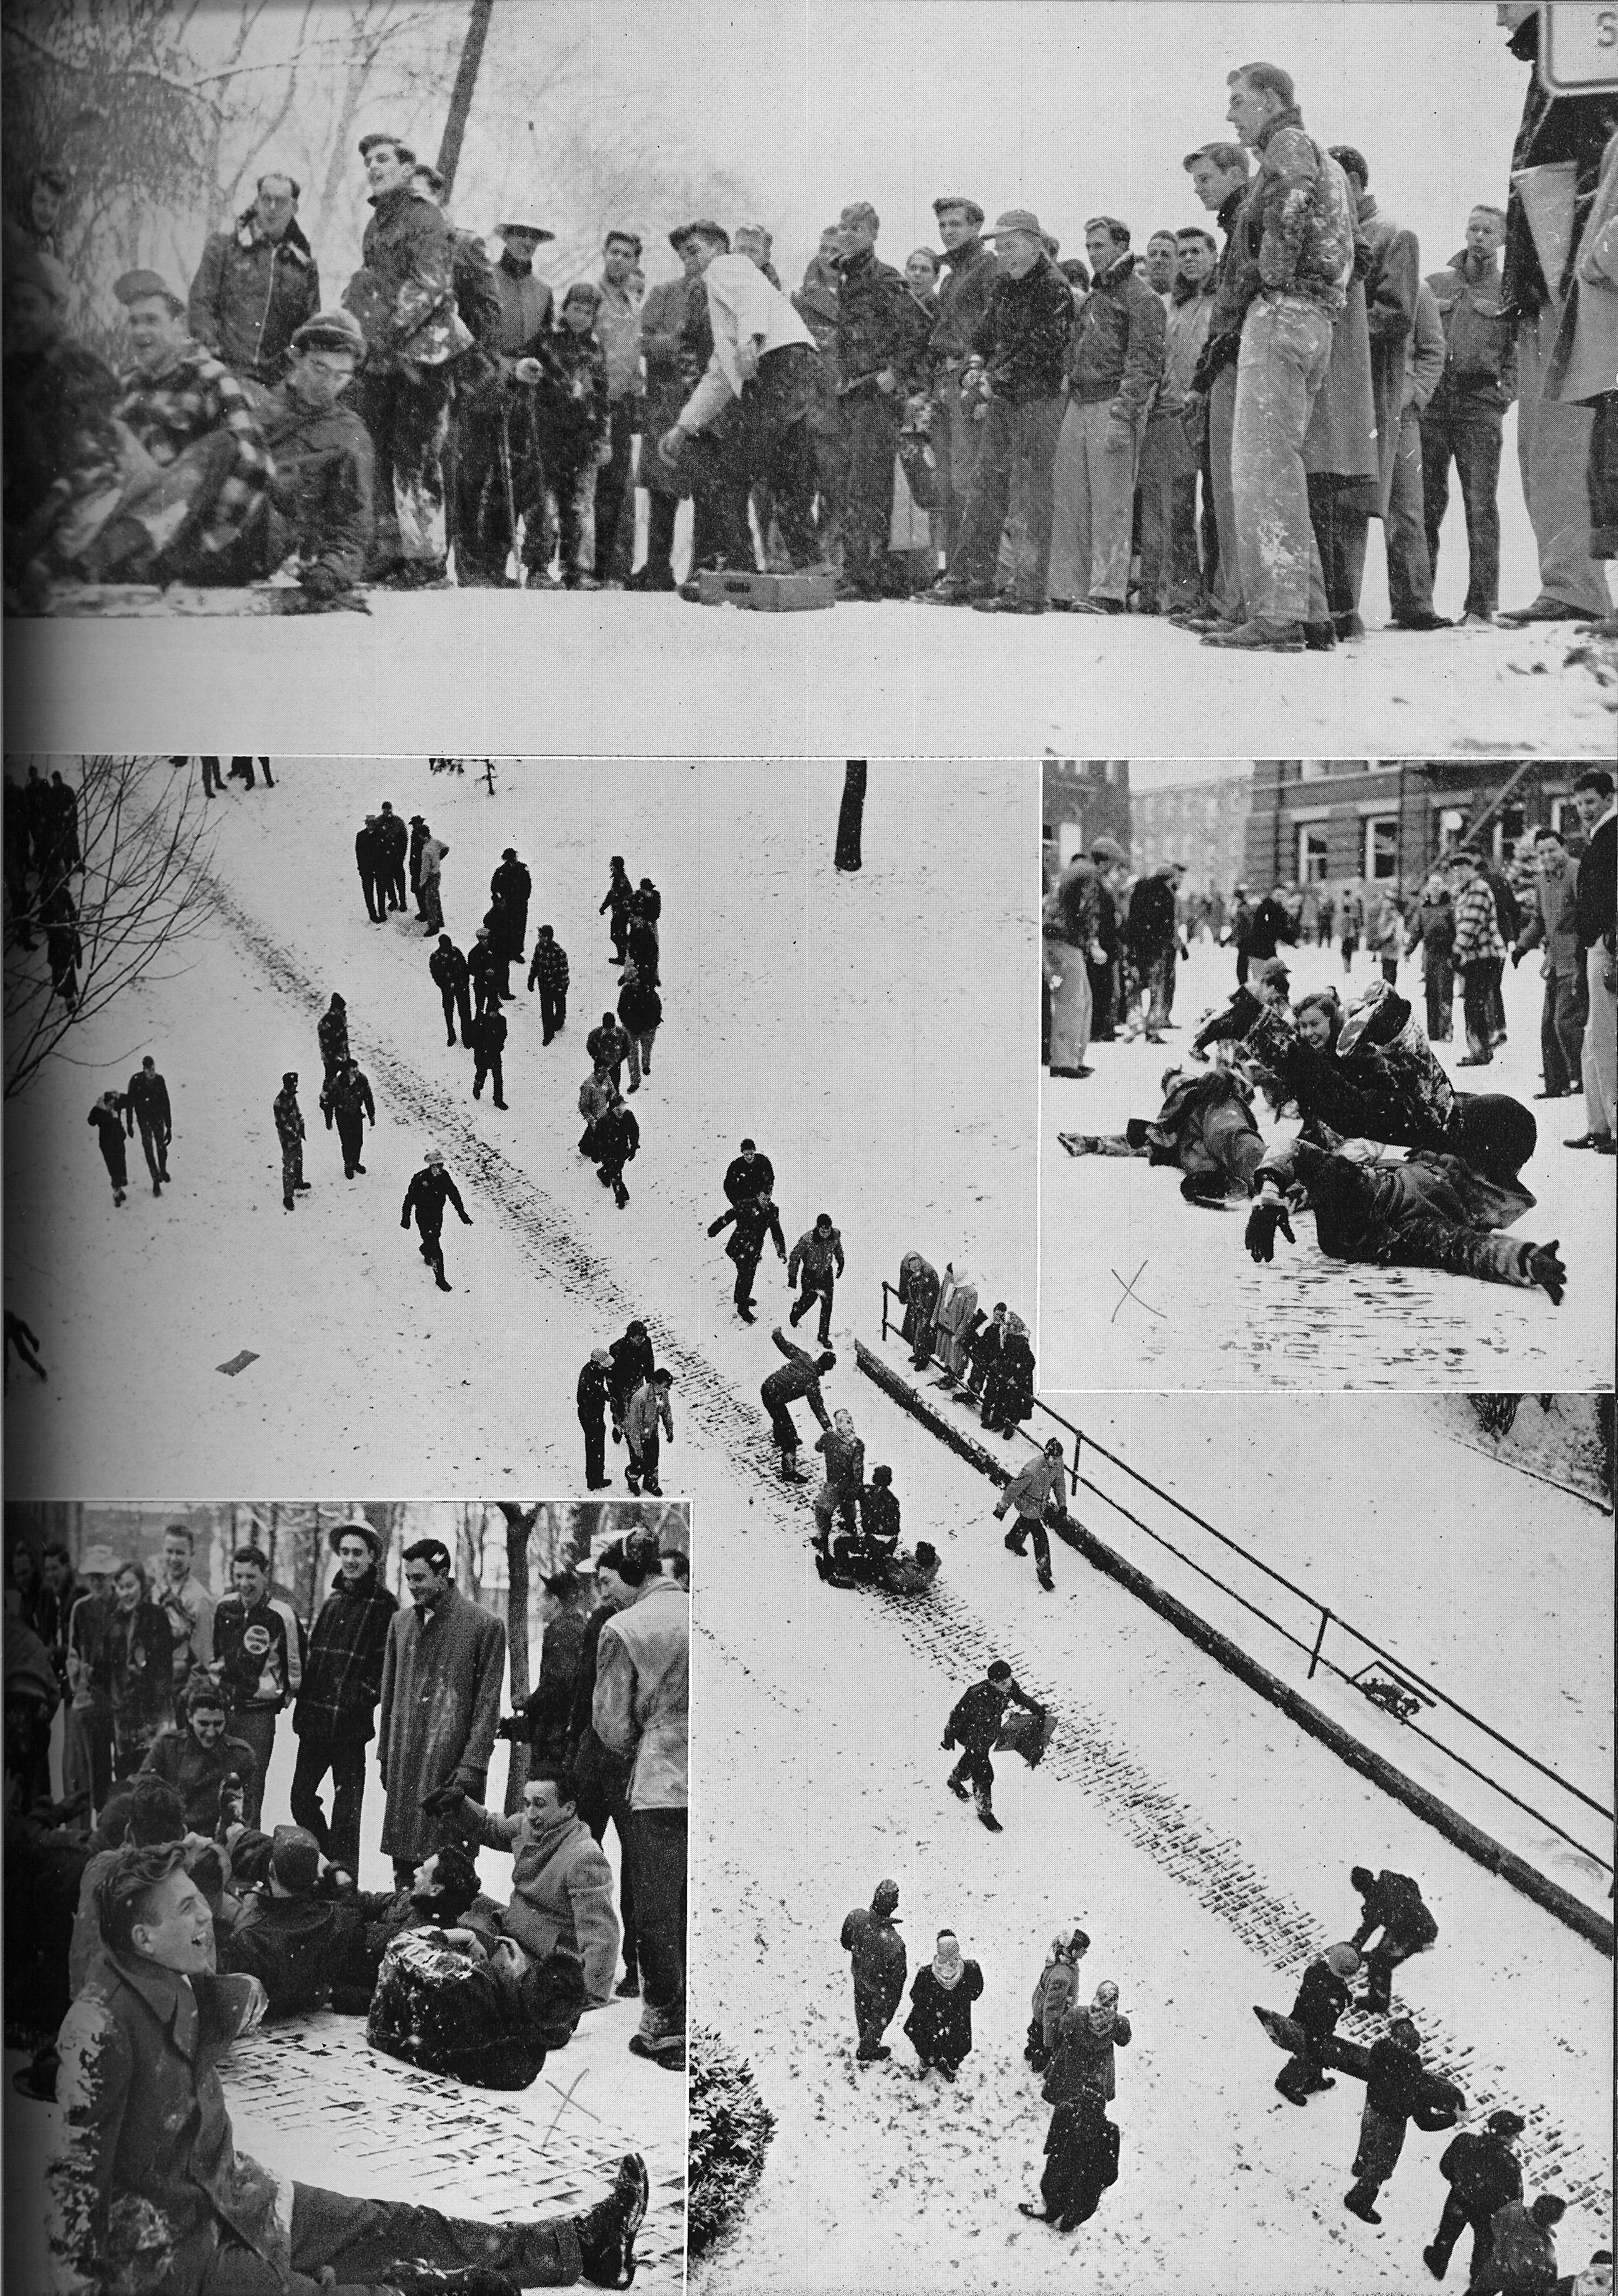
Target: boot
1013 1541
628 1988
1045 1580
956 1788
606 2235
985 1816
1358 2202
1437 2261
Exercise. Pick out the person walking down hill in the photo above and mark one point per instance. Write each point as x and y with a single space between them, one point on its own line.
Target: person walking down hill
1040 1489
870 1938
1081 2149
146 1102
756 1222
348 1101
453 981
1483 2177
548 972
797 1379
817 1257
640 1009
939 2027
618 906
974 1725
593 1392
429 1191
106 1116
289 1132
331 1030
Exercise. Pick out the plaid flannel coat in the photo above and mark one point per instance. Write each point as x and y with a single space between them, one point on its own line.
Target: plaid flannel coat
192 396
342 1675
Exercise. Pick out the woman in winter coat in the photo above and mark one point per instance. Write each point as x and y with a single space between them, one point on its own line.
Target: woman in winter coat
1008 1388
141 1649
1054 1992
1084 2057
1080 2162
940 2025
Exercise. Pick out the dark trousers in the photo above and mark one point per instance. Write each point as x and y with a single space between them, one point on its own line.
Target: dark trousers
360 2241
1481 987
612 489
1022 1525
433 1246
595 1450
871 422
747 1269
1441 999
487 1064
765 442
596 1802
1336 512
86 1757
393 883
815 1287
1451 2227
1015 438
156 1151
376 896
257 1726
874 2009
657 568
976 1770
457 1001
408 422
1409 566
1465 428
484 540
1102 1026
657 1853
781 1424
1562 1020
213 780
644 1465
351 1132
552 1009
345 1759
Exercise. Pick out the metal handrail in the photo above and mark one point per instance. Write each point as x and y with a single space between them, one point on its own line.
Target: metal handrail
1077 1480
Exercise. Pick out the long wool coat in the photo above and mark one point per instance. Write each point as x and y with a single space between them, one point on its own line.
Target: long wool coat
441 1682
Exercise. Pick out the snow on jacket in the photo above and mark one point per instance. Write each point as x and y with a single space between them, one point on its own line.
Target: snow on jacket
970 276
939 2023
640 1008
194 396
975 1718
1522 2260
441 1706
756 1222
749 1177
1083 2057
876 1949
641 1692
845 1460
798 1378
465 2019
323 484
332 1031
918 1291
561 1890
429 1190
1118 344
1482 2171
342 1674
1294 235
1075 911
816 1254
1321 1999
196 1772
1394 2080
878 325
349 1094
1031 1490
145 2140
252 294
742 307
404 295
1025 334
258 1651
1055 1988
647 1409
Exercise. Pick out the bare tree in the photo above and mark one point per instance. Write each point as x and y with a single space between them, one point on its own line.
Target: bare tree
138 893
520 1522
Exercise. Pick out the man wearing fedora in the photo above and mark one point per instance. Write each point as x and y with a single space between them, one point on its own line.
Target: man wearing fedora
497 433
335 1714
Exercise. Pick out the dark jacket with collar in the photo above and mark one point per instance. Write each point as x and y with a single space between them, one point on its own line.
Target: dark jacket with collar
1594 895
878 324
250 296
342 1674
1480 341
970 273
1024 333
1118 344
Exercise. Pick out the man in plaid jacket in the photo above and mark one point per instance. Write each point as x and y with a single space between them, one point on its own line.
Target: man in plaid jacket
201 465
336 1715
1480 955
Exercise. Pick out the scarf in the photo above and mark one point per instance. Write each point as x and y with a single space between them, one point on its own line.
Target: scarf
947 1962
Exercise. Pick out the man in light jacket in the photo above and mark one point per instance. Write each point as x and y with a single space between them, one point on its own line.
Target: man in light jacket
1553 926
640 1710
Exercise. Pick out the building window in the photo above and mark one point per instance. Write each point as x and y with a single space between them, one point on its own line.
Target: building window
1311 853
1564 818
1382 847
1510 825
1450 824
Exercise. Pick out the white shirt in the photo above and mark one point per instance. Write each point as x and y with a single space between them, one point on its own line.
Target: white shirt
742 307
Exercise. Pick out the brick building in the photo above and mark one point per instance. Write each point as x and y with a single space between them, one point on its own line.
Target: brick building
1084 799
1324 820
1202 823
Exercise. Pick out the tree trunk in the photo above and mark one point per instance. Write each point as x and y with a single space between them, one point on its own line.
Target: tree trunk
852 814
460 100
519 1525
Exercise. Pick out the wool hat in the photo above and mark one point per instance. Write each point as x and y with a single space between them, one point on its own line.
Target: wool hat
362 1530
535 231
295 1859
134 286
289 1077
1013 220
885 1897
1342 1960
969 208
98 1562
330 330
1505 2124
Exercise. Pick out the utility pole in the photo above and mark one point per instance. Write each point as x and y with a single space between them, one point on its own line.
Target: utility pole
850 814
460 99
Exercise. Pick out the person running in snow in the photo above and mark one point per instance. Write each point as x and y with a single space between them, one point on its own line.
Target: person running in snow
939 2027
1081 2150
870 1938
974 1725
1056 1989
449 971
107 1116
146 1102
756 1221
817 1257
289 1131
347 1099
1321 1999
1393 2083
618 908
845 1454
594 1390
616 1143
549 973
1041 1488
332 1029
426 1196
799 1377
1483 2177
647 1408
488 1041
1393 1904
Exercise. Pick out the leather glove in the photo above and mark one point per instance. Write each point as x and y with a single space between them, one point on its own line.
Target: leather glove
1262 1222
442 1800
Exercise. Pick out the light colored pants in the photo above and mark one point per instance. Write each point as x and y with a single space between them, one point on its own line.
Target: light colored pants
1600 1057
1553 449
1221 426
1095 505
1071 1003
1286 348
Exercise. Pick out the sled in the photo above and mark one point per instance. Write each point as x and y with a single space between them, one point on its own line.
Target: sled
1440 2105
768 594
1020 1734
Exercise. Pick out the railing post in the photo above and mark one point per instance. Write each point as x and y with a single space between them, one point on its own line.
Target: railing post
1314 1656
885 1308
1074 1471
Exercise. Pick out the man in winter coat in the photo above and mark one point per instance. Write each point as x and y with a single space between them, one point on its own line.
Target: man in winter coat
495 424
429 1190
1391 279
146 1102
617 905
799 1376
1394 2085
488 1041
1393 1904
148 2167
1219 174
974 1723
1170 571
647 1409
616 1143
880 345
749 1174
368 861
393 842
348 1101
512 884
918 1295
549 973
970 273
256 285
871 1938
608 1047
672 366
939 2027
544 1723
258 1661
756 1221
1479 955
1008 398
483 970
293 1940
640 1009
1082 2148
594 1388
198 1755
499 924
418 839
601 1779
1114 370
1554 927
633 1358
1321 1999
434 854
1040 1488
440 1703
1462 420
107 1118
189 1605
1070 935
1054 1991
1289 280
957 1319
449 971
988 1343
1594 907
845 1454
640 1709
334 1717
1151 934
817 1257
1483 2177
321 498
1522 2258
331 1030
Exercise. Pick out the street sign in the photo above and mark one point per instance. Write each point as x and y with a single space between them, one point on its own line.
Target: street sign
1578 46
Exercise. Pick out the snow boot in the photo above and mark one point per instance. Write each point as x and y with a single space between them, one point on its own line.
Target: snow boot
1358 2203
302 1187
606 2235
747 1313
985 1816
287 1202
628 1988
1436 2261
957 1790
1027 2209
1046 1581
620 1194
157 1187
1014 1541
359 1169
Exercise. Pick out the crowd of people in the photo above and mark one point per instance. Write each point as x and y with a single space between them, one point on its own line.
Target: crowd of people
1358 1069
155 1885
1204 430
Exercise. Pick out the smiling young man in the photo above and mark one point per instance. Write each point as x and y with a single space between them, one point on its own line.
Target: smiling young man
147 2188
336 1715
440 1703
257 284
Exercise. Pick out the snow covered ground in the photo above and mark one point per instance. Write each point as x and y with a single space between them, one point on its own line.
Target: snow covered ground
1304 1320
1201 1840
